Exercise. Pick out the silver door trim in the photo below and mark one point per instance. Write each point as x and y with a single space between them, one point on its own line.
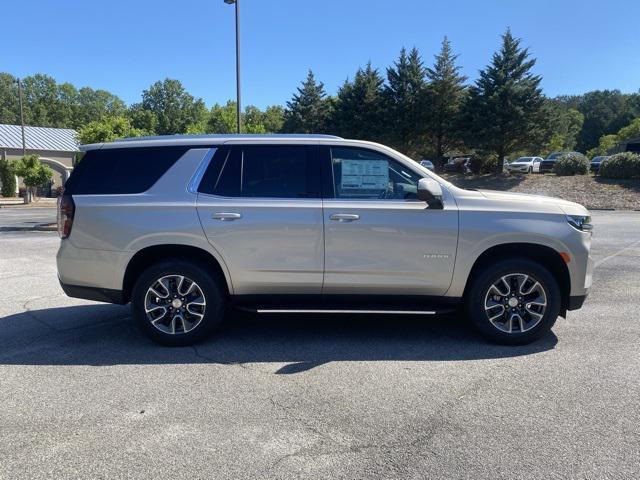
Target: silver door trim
394 312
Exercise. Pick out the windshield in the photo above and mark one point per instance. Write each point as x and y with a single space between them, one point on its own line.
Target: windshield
554 155
523 160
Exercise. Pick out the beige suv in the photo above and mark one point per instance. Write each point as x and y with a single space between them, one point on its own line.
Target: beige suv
184 227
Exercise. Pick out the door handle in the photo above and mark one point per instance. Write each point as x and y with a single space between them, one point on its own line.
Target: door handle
345 217
224 216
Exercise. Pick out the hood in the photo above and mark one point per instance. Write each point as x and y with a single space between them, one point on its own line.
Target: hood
530 201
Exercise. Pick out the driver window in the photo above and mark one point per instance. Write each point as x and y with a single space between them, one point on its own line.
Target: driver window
359 173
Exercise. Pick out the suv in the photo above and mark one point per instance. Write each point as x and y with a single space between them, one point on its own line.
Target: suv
185 227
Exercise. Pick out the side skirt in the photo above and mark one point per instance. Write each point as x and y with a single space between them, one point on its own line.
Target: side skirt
346 304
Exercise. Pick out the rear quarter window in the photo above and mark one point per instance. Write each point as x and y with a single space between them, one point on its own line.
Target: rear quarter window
121 170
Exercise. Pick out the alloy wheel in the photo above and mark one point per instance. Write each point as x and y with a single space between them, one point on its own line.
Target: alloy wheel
515 303
175 304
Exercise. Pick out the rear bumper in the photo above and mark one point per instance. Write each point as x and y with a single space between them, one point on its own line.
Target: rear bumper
93 293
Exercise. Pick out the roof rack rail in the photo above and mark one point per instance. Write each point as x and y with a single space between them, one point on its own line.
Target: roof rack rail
230 136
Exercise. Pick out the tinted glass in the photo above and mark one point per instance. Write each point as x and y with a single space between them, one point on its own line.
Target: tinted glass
121 170
271 171
365 174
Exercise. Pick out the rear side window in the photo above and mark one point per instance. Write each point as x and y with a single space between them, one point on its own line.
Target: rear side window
121 170
270 171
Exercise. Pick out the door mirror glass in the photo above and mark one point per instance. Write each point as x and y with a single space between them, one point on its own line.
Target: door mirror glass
430 191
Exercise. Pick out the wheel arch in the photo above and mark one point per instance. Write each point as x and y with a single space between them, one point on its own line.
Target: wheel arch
152 254
546 256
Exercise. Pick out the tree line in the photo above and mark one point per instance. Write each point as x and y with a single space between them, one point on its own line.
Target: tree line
425 111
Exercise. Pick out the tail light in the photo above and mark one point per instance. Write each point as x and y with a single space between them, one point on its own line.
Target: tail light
66 211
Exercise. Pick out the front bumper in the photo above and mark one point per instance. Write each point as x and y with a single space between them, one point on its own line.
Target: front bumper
576 302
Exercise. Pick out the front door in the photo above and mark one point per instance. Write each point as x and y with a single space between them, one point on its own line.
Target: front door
260 208
379 238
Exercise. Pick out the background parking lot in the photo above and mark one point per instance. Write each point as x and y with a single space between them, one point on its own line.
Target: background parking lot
317 397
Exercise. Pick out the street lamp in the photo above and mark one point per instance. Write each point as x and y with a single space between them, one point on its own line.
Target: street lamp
238 109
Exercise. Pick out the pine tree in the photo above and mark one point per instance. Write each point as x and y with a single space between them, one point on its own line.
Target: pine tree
504 112
309 110
359 108
445 94
405 99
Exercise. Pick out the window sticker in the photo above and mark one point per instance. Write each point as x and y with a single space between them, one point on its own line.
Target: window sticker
364 174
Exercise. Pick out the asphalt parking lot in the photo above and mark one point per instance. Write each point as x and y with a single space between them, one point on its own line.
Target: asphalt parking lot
84 395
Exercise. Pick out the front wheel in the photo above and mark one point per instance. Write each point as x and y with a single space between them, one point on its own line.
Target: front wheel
177 303
514 301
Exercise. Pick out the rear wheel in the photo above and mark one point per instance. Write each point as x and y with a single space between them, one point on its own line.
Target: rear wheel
514 301
177 303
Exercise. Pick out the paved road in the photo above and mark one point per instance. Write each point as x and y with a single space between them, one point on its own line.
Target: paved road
18 217
84 395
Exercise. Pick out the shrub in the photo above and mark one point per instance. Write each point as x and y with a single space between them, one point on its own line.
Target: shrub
621 165
7 178
573 163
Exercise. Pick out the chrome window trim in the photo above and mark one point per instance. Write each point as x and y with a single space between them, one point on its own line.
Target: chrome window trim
194 183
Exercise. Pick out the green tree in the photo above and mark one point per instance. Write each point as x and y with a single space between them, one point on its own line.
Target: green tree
273 119
174 108
405 99
40 95
9 108
563 126
606 143
605 112
445 94
309 110
359 108
222 118
34 174
142 119
253 120
504 112
107 130
96 105
7 177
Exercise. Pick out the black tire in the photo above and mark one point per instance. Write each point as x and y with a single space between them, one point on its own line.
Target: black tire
530 170
478 289
211 289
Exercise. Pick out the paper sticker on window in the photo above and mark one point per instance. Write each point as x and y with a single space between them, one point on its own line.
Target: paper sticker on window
365 174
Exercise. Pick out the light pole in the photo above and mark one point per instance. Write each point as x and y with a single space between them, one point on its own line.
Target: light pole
238 108
24 145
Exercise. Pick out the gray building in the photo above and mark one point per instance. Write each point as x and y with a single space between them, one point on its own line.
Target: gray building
56 147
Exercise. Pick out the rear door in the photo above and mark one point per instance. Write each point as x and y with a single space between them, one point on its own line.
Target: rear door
379 238
260 208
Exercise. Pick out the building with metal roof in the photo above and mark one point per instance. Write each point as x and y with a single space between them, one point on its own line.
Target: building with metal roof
56 148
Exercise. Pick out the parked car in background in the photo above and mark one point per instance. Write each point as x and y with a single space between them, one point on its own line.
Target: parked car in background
548 163
183 227
596 162
428 164
524 164
458 165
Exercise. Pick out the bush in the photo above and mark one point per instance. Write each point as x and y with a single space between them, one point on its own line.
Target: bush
573 163
621 165
7 178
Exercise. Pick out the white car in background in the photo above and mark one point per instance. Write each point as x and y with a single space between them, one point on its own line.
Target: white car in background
525 165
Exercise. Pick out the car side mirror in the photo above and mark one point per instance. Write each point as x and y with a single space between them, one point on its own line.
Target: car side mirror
430 191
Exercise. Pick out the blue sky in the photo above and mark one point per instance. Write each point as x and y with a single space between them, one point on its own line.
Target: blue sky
124 46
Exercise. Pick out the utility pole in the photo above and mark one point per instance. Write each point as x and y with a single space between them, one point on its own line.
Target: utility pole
24 144
238 108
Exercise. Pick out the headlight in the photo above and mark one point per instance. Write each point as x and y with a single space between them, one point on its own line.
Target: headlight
580 222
